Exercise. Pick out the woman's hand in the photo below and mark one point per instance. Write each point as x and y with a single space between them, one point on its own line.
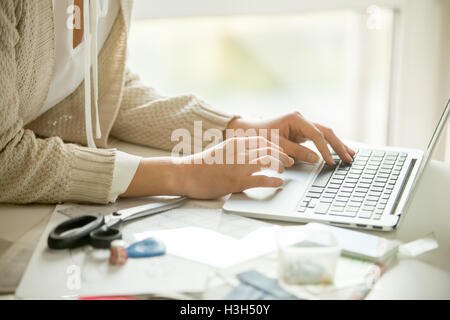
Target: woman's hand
225 168
295 129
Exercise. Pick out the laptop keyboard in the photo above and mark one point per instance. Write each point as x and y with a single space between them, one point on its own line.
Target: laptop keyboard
361 189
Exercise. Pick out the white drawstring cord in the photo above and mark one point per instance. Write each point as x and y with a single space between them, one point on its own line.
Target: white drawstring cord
92 10
94 19
87 75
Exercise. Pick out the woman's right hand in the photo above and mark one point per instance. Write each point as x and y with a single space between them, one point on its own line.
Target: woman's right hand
229 167
225 168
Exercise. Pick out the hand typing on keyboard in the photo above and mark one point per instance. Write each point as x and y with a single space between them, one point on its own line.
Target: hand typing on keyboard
295 129
361 189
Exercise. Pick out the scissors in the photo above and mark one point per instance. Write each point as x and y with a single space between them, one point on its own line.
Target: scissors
99 230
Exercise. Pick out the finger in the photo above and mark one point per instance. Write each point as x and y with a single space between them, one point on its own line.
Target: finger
311 132
260 181
299 152
267 162
351 151
280 155
335 143
258 142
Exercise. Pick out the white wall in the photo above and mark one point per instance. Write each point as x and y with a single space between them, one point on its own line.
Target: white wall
421 54
422 82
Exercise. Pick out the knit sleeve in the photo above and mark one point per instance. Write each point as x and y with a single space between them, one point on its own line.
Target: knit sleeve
148 118
34 169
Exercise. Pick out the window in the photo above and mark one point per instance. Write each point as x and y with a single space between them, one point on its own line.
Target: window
340 63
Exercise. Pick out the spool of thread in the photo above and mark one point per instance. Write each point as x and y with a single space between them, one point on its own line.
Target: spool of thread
118 253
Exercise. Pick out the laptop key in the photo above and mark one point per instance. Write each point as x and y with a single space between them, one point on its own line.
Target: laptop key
359 195
329 195
354 204
313 195
313 203
364 184
369 205
338 203
324 176
365 214
364 152
349 185
343 196
316 189
322 208
379 184
377 154
336 209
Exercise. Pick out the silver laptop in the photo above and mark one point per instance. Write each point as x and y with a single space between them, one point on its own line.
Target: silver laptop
371 193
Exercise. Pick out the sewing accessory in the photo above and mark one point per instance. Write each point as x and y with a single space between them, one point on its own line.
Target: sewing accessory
149 247
118 253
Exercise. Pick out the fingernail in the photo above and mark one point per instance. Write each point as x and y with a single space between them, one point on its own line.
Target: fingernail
291 161
312 157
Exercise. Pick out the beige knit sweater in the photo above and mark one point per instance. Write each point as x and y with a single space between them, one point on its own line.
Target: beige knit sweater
36 163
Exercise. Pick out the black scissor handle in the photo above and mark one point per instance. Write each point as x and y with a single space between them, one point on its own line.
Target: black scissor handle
103 236
63 238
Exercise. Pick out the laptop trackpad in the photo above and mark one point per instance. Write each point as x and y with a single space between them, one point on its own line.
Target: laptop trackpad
284 199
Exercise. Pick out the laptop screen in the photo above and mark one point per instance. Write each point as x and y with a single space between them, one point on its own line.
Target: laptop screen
435 138
431 146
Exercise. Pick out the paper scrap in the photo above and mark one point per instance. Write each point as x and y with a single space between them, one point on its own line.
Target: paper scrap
418 247
214 248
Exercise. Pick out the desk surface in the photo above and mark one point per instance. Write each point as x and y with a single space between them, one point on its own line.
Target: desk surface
425 278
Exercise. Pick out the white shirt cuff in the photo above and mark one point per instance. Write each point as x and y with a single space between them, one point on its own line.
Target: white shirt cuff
125 166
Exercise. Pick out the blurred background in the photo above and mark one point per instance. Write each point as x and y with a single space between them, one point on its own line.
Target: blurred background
375 71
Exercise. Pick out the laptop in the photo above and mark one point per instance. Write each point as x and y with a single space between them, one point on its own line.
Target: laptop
371 193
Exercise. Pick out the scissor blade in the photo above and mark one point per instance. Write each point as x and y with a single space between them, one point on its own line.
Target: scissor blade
148 209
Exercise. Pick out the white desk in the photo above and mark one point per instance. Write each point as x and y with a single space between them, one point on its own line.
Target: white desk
424 278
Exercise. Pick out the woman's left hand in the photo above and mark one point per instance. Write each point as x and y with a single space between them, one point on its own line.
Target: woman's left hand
294 129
